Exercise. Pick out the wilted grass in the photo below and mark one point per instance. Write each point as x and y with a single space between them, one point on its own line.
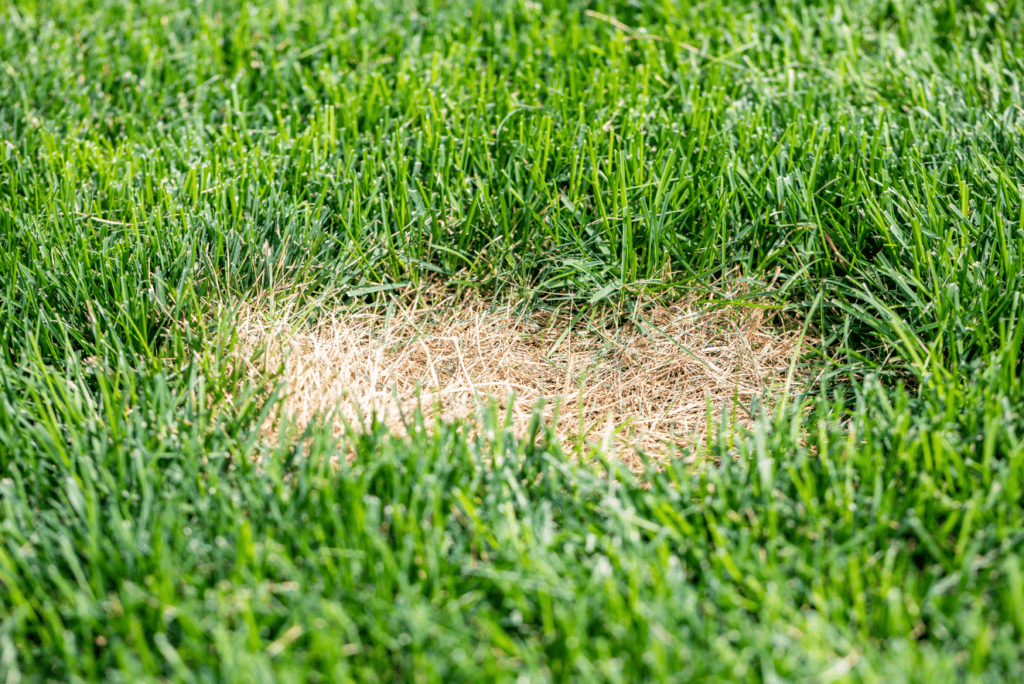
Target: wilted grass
656 383
860 165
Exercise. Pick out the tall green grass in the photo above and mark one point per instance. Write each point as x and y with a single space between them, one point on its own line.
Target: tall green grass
861 165
147 544
534 146
155 547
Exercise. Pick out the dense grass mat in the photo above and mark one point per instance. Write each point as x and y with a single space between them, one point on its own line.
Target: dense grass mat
861 165
872 151
889 547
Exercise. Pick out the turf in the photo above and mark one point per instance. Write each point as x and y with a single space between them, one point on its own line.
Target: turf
860 165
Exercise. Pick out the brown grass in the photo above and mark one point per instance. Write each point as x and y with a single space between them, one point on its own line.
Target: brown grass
650 384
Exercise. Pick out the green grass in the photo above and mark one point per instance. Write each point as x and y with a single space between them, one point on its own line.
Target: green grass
859 164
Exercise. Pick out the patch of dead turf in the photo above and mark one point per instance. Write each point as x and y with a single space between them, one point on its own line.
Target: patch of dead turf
648 384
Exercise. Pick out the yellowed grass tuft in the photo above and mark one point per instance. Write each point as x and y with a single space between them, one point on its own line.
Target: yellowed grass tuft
648 384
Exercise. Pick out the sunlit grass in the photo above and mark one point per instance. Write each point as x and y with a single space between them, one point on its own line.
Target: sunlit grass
861 166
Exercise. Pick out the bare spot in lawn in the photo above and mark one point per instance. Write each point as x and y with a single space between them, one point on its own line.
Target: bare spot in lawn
650 383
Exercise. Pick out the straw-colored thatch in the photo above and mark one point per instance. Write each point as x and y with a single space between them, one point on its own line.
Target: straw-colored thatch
649 383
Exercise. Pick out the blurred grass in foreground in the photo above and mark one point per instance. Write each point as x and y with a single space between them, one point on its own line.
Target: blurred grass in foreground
159 549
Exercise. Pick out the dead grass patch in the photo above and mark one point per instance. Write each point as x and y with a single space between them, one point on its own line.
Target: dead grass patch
653 383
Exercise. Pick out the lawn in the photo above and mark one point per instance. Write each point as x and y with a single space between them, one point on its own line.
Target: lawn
853 171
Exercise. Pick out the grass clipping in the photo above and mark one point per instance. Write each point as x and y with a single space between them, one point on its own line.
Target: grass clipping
652 384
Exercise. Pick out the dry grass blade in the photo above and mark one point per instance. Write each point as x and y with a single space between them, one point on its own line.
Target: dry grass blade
652 382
